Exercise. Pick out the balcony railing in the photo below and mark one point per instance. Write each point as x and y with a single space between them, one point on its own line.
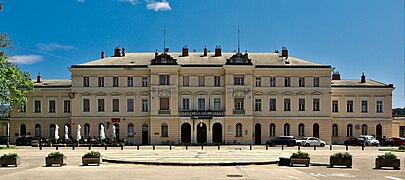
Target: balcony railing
239 112
164 112
207 113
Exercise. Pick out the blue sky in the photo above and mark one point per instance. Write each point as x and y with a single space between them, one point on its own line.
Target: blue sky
354 36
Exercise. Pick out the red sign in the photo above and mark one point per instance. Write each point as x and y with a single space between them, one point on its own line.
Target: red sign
115 119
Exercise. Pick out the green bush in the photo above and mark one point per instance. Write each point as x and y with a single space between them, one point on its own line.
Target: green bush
387 156
10 155
402 147
92 154
341 155
300 154
56 154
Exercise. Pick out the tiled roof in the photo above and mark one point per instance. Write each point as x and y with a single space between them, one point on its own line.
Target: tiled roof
53 83
357 83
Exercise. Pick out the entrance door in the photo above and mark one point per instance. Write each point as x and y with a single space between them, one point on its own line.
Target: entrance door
201 133
186 133
145 134
379 131
315 130
258 134
217 133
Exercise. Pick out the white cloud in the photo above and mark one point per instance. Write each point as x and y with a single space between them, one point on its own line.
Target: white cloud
158 6
81 1
26 59
133 2
49 47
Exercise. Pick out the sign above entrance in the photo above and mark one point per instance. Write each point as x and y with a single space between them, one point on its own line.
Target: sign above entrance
115 119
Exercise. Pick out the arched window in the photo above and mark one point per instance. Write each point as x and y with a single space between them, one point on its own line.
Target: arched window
364 129
23 130
37 130
378 131
301 130
349 130
315 130
272 130
239 130
165 130
52 128
335 130
286 129
131 129
87 130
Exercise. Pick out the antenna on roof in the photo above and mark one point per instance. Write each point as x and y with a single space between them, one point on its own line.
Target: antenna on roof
164 39
238 40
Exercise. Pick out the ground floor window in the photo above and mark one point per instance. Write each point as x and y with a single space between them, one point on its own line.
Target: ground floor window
86 130
335 129
131 129
402 131
239 130
301 129
165 130
349 130
272 130
286 129
37 130
364 129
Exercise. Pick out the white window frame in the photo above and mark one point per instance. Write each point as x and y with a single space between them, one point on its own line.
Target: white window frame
377 109
56 104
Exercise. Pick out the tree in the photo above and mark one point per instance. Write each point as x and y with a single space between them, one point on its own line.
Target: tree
14 84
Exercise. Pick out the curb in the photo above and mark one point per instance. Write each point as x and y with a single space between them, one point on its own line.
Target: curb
189 164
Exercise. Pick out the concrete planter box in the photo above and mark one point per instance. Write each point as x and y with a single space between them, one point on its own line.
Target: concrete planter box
340 162
49 161
91 160
395 163
300 160
6 161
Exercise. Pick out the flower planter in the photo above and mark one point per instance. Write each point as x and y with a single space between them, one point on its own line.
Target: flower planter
6 161
91 160
340 162
395 163
300 160
49 161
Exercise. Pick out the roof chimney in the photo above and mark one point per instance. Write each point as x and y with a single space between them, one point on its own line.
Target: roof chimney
39 78
218 51
284 52
184 51
156 53
117 52
102 55
166 50
363 78
123 52
205 51
336 75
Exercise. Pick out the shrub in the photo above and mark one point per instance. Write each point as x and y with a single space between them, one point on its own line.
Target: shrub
10 155
387 156
300 154
341 155
55 154
92 154
402 147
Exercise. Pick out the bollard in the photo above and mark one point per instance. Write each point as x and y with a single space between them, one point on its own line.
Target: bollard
202 147
282 147
56 147
122 147
186 147
40 147
105 147
314 147
137 147
267 147
347 147
299 147
250 146
219 147
90 147
153 147
330 147
362 148
170 147
73 147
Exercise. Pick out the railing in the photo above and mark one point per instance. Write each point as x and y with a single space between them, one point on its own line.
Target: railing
201 113
167 112
239 112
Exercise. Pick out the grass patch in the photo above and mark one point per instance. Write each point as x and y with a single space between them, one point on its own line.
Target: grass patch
8 148
392 149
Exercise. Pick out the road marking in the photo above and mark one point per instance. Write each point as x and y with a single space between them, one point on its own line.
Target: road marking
317 175
293 177
271 172
394 178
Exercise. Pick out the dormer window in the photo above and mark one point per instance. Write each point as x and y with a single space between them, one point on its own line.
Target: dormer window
163 79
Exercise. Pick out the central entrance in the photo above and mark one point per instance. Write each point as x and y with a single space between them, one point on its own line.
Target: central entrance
201 133
186 133
145 134
258 134
217 133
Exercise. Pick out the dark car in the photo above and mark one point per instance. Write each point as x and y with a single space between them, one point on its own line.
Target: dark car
355 141
282 140
3 140
399 141
23 141
387 142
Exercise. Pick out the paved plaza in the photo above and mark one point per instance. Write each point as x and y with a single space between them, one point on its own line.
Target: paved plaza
225 163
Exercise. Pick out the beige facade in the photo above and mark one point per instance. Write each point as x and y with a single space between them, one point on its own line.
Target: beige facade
227 98
398 127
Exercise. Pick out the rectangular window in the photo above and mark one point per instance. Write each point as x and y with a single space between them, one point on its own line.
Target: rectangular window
238 80
238 104
272 81
37 105
52 106
379 106
100 81
116 105
217 104
349 106
364 106
258 82
287 82
316 81
217 80
258 104
272 105
144 81
163 79
164 103
185 81
145 105
316 105
100 105
186 104
130 81
402 131
287 105
335 106
201 80
130 105
201 104
86 105
66 106
301 104
115 81
301 82
86 81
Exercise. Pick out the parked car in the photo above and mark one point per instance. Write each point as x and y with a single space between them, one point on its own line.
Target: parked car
387 142
23 141
36 140
310 141
354 141
282 140
370 140
398 141
3 139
